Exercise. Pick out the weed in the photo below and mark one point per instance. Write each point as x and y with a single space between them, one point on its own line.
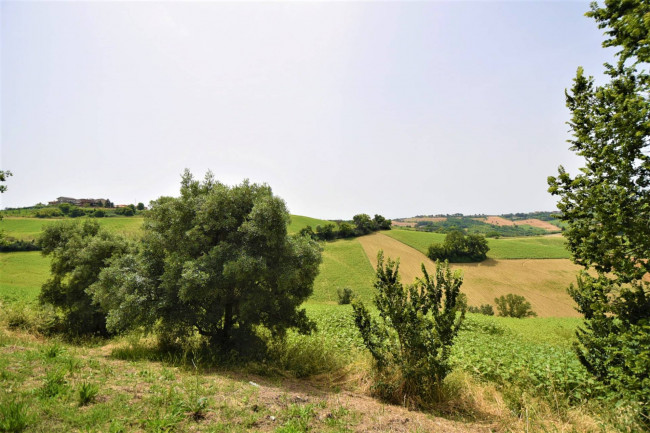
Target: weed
13 416
87 393
52 351
54 384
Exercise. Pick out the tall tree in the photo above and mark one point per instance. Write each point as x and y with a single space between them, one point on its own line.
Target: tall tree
607 205
218 261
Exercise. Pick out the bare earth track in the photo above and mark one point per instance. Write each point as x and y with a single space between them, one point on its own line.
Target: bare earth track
542 282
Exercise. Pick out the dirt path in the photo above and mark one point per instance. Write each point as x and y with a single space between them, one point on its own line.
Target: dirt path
542 282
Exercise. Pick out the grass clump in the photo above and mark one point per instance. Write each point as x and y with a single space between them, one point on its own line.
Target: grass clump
87 393
13 416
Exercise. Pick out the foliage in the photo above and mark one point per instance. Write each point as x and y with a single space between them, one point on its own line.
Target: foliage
345 296
4 174
607 206
99 213
512 305
48 212
411 344
11 245
363 224
485 309
459 248
13 416
140 206
78 252
471 225
216 260
381 223
87 393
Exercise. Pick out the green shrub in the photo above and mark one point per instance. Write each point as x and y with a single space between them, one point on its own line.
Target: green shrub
345 296
48 212
512 305
87 393
54 384
485 309
411 343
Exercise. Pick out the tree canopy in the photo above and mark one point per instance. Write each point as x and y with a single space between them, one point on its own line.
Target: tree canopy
218 261
607 205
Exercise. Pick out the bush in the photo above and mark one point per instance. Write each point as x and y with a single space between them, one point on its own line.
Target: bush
99 213
485 309
512 305
345 296
48 212
411 343
13 246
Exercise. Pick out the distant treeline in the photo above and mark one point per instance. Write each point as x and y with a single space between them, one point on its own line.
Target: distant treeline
71 211
540 215
360 225
467 224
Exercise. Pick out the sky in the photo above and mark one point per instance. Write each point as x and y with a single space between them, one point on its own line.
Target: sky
395 108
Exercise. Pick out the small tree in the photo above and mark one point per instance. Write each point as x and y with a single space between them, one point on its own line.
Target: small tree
78 252
512 305
412 341
345 296
363 224
140 206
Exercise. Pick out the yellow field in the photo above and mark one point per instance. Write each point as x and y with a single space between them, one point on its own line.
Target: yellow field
542 282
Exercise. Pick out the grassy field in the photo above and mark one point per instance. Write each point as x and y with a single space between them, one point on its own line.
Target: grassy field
28 229
542 282
532 247
21 275
344 265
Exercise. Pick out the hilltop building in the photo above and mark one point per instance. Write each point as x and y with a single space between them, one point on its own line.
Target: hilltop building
83 202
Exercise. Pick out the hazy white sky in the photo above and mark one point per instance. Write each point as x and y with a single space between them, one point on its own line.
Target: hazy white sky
397 108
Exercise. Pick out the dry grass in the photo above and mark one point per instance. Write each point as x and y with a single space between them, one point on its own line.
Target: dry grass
534 222
431 219
496 221
542 282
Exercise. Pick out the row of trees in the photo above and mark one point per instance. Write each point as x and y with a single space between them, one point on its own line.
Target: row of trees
361 225
460 248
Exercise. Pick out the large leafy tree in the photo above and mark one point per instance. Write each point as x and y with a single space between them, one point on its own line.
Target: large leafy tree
218 261
78 252
607 205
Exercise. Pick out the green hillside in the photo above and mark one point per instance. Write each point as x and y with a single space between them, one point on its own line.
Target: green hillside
298 222
27 229
344 265
530 247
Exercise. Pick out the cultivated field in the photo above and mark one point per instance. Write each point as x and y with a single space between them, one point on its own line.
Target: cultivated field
529 247
542 282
